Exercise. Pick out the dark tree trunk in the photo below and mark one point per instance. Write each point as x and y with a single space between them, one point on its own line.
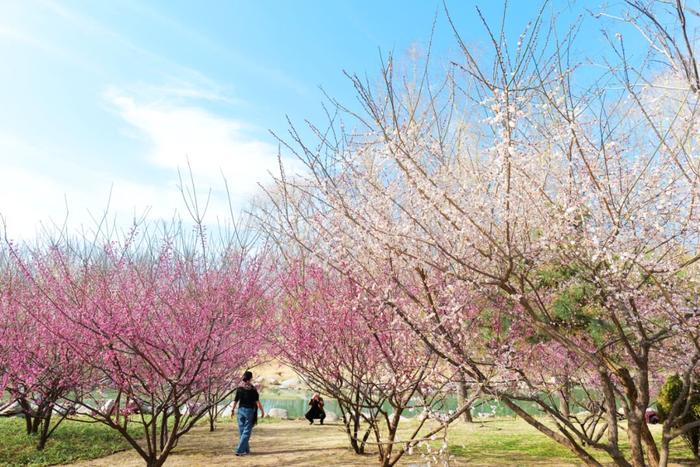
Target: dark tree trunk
30 417
212 418
385 454
694 441
357 446
44 435
463 398
36 422
28 423
164 429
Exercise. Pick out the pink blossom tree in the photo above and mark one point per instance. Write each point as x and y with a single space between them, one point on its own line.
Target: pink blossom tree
347 345
162 324
41 369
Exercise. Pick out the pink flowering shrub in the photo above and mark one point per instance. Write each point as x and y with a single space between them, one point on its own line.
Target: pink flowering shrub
153 333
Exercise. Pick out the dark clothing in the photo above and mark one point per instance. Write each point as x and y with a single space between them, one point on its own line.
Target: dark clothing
316 410
247 396
651 417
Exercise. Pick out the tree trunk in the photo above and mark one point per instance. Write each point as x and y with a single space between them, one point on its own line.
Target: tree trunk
36 422
634 436
564 396
651 448
164 429
353 430
212 418
463 398
385 453
44 435
28 423
30 418
665 451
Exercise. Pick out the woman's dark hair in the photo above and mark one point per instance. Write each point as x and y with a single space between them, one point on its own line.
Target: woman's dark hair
247 376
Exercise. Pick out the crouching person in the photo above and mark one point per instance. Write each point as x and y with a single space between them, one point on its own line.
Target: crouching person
316 409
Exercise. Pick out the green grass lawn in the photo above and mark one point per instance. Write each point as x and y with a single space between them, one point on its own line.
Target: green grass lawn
504 441
70 442
514 442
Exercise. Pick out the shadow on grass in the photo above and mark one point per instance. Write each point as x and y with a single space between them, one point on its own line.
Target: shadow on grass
290 451
684 461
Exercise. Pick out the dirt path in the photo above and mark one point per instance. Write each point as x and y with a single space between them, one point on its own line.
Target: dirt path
293 443
286 443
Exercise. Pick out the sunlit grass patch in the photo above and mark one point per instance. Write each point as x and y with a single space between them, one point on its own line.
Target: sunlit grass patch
72 441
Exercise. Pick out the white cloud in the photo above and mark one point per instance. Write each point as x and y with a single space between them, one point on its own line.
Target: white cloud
37 193
32 199
38 184
213 145
26 198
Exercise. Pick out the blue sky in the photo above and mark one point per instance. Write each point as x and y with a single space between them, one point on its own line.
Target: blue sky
116 95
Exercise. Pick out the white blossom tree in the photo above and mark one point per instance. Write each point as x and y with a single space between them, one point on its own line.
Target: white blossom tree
506 188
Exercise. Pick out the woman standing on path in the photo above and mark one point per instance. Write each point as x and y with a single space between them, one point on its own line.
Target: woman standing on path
248 402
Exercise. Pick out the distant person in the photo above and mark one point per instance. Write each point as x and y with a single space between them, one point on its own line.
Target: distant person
316 410
651 416
248 402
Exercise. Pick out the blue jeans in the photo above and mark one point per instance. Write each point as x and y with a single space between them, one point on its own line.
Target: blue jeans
245 427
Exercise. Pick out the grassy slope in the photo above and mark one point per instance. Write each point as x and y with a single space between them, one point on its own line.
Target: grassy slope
71 441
